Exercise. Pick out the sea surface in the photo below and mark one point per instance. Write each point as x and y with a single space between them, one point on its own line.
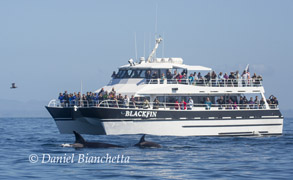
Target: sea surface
30 148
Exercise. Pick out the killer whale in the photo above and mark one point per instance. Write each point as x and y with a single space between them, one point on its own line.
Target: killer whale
81 143
147 144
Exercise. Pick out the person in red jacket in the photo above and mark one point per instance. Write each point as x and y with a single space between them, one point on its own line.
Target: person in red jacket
183 105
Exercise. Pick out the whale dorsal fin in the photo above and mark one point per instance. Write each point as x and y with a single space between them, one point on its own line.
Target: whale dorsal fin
142 139
78 138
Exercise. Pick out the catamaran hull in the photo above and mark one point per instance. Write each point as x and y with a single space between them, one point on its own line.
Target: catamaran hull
114 121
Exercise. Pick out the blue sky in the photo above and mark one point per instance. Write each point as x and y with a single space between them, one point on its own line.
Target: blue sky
50 46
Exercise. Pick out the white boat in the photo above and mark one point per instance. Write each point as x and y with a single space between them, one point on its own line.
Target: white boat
154 109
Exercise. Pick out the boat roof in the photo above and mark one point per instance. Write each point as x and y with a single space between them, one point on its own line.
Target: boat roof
165 65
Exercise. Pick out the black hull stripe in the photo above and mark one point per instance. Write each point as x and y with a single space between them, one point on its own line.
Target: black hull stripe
239 125
164 120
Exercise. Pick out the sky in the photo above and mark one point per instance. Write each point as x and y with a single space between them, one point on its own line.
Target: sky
47 47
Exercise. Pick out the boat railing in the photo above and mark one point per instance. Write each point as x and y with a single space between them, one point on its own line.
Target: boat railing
157 105
78 103
181 106
210 83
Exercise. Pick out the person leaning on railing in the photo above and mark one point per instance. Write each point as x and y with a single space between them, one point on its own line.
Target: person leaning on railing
190 103
221 102
146 104
208 103
156 104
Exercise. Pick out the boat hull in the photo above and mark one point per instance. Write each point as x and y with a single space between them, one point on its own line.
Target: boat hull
114 121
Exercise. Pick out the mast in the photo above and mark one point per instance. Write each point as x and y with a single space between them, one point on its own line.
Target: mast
151 56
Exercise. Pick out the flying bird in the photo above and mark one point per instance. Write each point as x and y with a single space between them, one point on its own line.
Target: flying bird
13 86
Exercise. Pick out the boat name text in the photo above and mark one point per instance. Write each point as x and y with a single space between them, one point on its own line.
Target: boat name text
144 114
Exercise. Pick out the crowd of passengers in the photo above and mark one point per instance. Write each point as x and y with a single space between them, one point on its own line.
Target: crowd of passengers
220 79
110 99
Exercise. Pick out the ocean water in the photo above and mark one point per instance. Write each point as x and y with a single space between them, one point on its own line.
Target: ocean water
22 139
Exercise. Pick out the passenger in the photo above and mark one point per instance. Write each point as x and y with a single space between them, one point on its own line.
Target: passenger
115 102
244 77
276 101
226 77
235 105
163 78
61 99
146 104
184 79
191 78
183 105
78 98
89 98
199 76
231 79
105 96
230 103
256 102
214 78
71 100
148 75
237 80
101 92
74 98
179 78
126 101
100 98
208 77
132 102
120 100
221 79
84 101
177 104
245 101
66 98
195 78
175 75
156 104
139 102
190 103
169 74
208 103
241 102
113 92
221 102
251 103
155 75
262 104
258 80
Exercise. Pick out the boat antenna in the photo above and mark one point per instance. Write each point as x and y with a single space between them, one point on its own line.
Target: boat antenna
156 29
135 46
156 25
163 48
149 42
144 44
80 98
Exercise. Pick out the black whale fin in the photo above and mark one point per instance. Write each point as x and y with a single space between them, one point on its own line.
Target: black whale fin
78 138
142 139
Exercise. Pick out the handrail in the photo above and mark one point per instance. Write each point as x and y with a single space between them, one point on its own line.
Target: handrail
211 83
167 105
159 105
